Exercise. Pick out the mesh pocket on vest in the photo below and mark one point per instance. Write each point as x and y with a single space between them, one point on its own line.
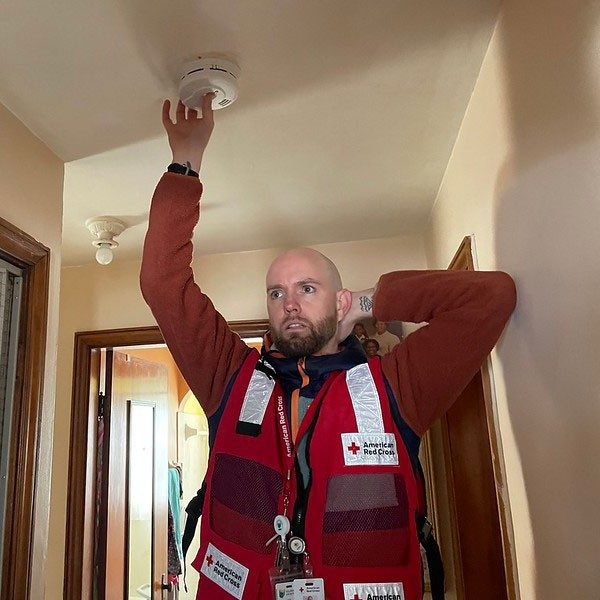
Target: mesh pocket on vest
244 496
366 521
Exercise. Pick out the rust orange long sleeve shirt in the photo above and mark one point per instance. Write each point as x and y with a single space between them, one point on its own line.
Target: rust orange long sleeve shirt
466 312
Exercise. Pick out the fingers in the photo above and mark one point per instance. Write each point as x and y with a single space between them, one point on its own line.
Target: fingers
192 113
166 114
207 110
180 112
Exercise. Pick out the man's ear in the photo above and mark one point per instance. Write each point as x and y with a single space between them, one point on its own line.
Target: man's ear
344 303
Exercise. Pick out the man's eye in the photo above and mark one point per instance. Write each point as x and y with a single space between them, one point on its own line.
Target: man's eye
308 289
275 294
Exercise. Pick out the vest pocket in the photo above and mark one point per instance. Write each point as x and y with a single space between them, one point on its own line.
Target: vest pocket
244 498
366 521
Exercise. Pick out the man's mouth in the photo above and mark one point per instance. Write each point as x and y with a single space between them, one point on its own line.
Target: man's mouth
295 326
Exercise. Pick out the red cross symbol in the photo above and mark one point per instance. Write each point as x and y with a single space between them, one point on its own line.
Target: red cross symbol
209 560
354 449
356 596
301 589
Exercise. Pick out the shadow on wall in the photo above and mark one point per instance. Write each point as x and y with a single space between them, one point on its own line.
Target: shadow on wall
547 235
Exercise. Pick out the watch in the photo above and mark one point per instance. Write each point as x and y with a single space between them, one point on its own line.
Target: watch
182 169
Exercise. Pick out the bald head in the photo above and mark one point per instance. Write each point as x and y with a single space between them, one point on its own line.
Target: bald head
306 302
312 260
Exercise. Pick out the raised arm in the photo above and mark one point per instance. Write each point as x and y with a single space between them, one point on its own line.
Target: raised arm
206 351
466 312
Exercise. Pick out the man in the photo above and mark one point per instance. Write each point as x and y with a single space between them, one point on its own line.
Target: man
307 430
385 339
360 332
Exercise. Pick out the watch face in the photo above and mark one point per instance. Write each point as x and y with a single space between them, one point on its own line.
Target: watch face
177 168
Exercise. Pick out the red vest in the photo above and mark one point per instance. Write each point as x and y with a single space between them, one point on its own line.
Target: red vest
359 523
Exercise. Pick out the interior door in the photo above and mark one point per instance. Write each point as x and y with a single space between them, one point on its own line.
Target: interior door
136 499
480 549
474 500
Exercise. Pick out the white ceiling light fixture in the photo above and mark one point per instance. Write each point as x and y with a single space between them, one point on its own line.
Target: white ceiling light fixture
105 229
204 75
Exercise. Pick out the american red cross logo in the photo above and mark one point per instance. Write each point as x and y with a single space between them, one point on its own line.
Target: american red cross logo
301 590
354 449
209 560
356 597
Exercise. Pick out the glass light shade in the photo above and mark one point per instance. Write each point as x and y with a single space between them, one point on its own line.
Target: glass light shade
104 255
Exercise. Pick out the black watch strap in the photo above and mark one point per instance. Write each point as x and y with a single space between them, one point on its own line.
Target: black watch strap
182 169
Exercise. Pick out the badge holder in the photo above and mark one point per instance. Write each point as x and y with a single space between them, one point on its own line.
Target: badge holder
292 581
283 572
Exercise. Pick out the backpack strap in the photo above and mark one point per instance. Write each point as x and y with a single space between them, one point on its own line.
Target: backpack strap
194 512
433 556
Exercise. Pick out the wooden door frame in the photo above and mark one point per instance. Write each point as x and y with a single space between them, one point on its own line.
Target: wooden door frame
23 251
79 535
463 261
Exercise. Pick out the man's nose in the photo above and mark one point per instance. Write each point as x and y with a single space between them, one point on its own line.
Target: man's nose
291 305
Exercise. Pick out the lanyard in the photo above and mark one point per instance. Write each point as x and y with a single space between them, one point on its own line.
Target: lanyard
286 450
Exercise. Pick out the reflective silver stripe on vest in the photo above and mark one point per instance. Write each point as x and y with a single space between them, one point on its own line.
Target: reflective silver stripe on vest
257 397
365 399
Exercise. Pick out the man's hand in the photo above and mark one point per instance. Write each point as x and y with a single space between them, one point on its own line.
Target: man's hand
361 308
189 135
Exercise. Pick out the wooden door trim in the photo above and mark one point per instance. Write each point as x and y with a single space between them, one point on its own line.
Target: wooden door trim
463 260
81 487
33 258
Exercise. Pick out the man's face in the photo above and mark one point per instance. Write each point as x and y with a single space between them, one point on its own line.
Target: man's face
302 304
380 327
359 329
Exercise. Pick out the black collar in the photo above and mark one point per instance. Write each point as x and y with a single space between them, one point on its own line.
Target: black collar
317 368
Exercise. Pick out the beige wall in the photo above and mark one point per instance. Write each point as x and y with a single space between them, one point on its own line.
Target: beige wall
31 188
524 177
95 297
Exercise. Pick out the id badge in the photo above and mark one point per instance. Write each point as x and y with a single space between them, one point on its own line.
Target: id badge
309 589
284 591
279 577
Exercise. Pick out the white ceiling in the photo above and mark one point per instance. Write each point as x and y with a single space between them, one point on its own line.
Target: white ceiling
347 114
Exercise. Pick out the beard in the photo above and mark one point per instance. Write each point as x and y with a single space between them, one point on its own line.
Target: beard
310 341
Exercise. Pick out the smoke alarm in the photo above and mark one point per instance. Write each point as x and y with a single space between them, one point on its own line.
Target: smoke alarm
204 75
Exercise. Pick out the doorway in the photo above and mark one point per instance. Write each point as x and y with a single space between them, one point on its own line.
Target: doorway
24 284
131 475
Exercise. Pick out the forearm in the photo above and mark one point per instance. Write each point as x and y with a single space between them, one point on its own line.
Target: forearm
418 296
466 312
206 351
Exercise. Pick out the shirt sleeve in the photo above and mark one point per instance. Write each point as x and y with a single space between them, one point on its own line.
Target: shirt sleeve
203 346
466 312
